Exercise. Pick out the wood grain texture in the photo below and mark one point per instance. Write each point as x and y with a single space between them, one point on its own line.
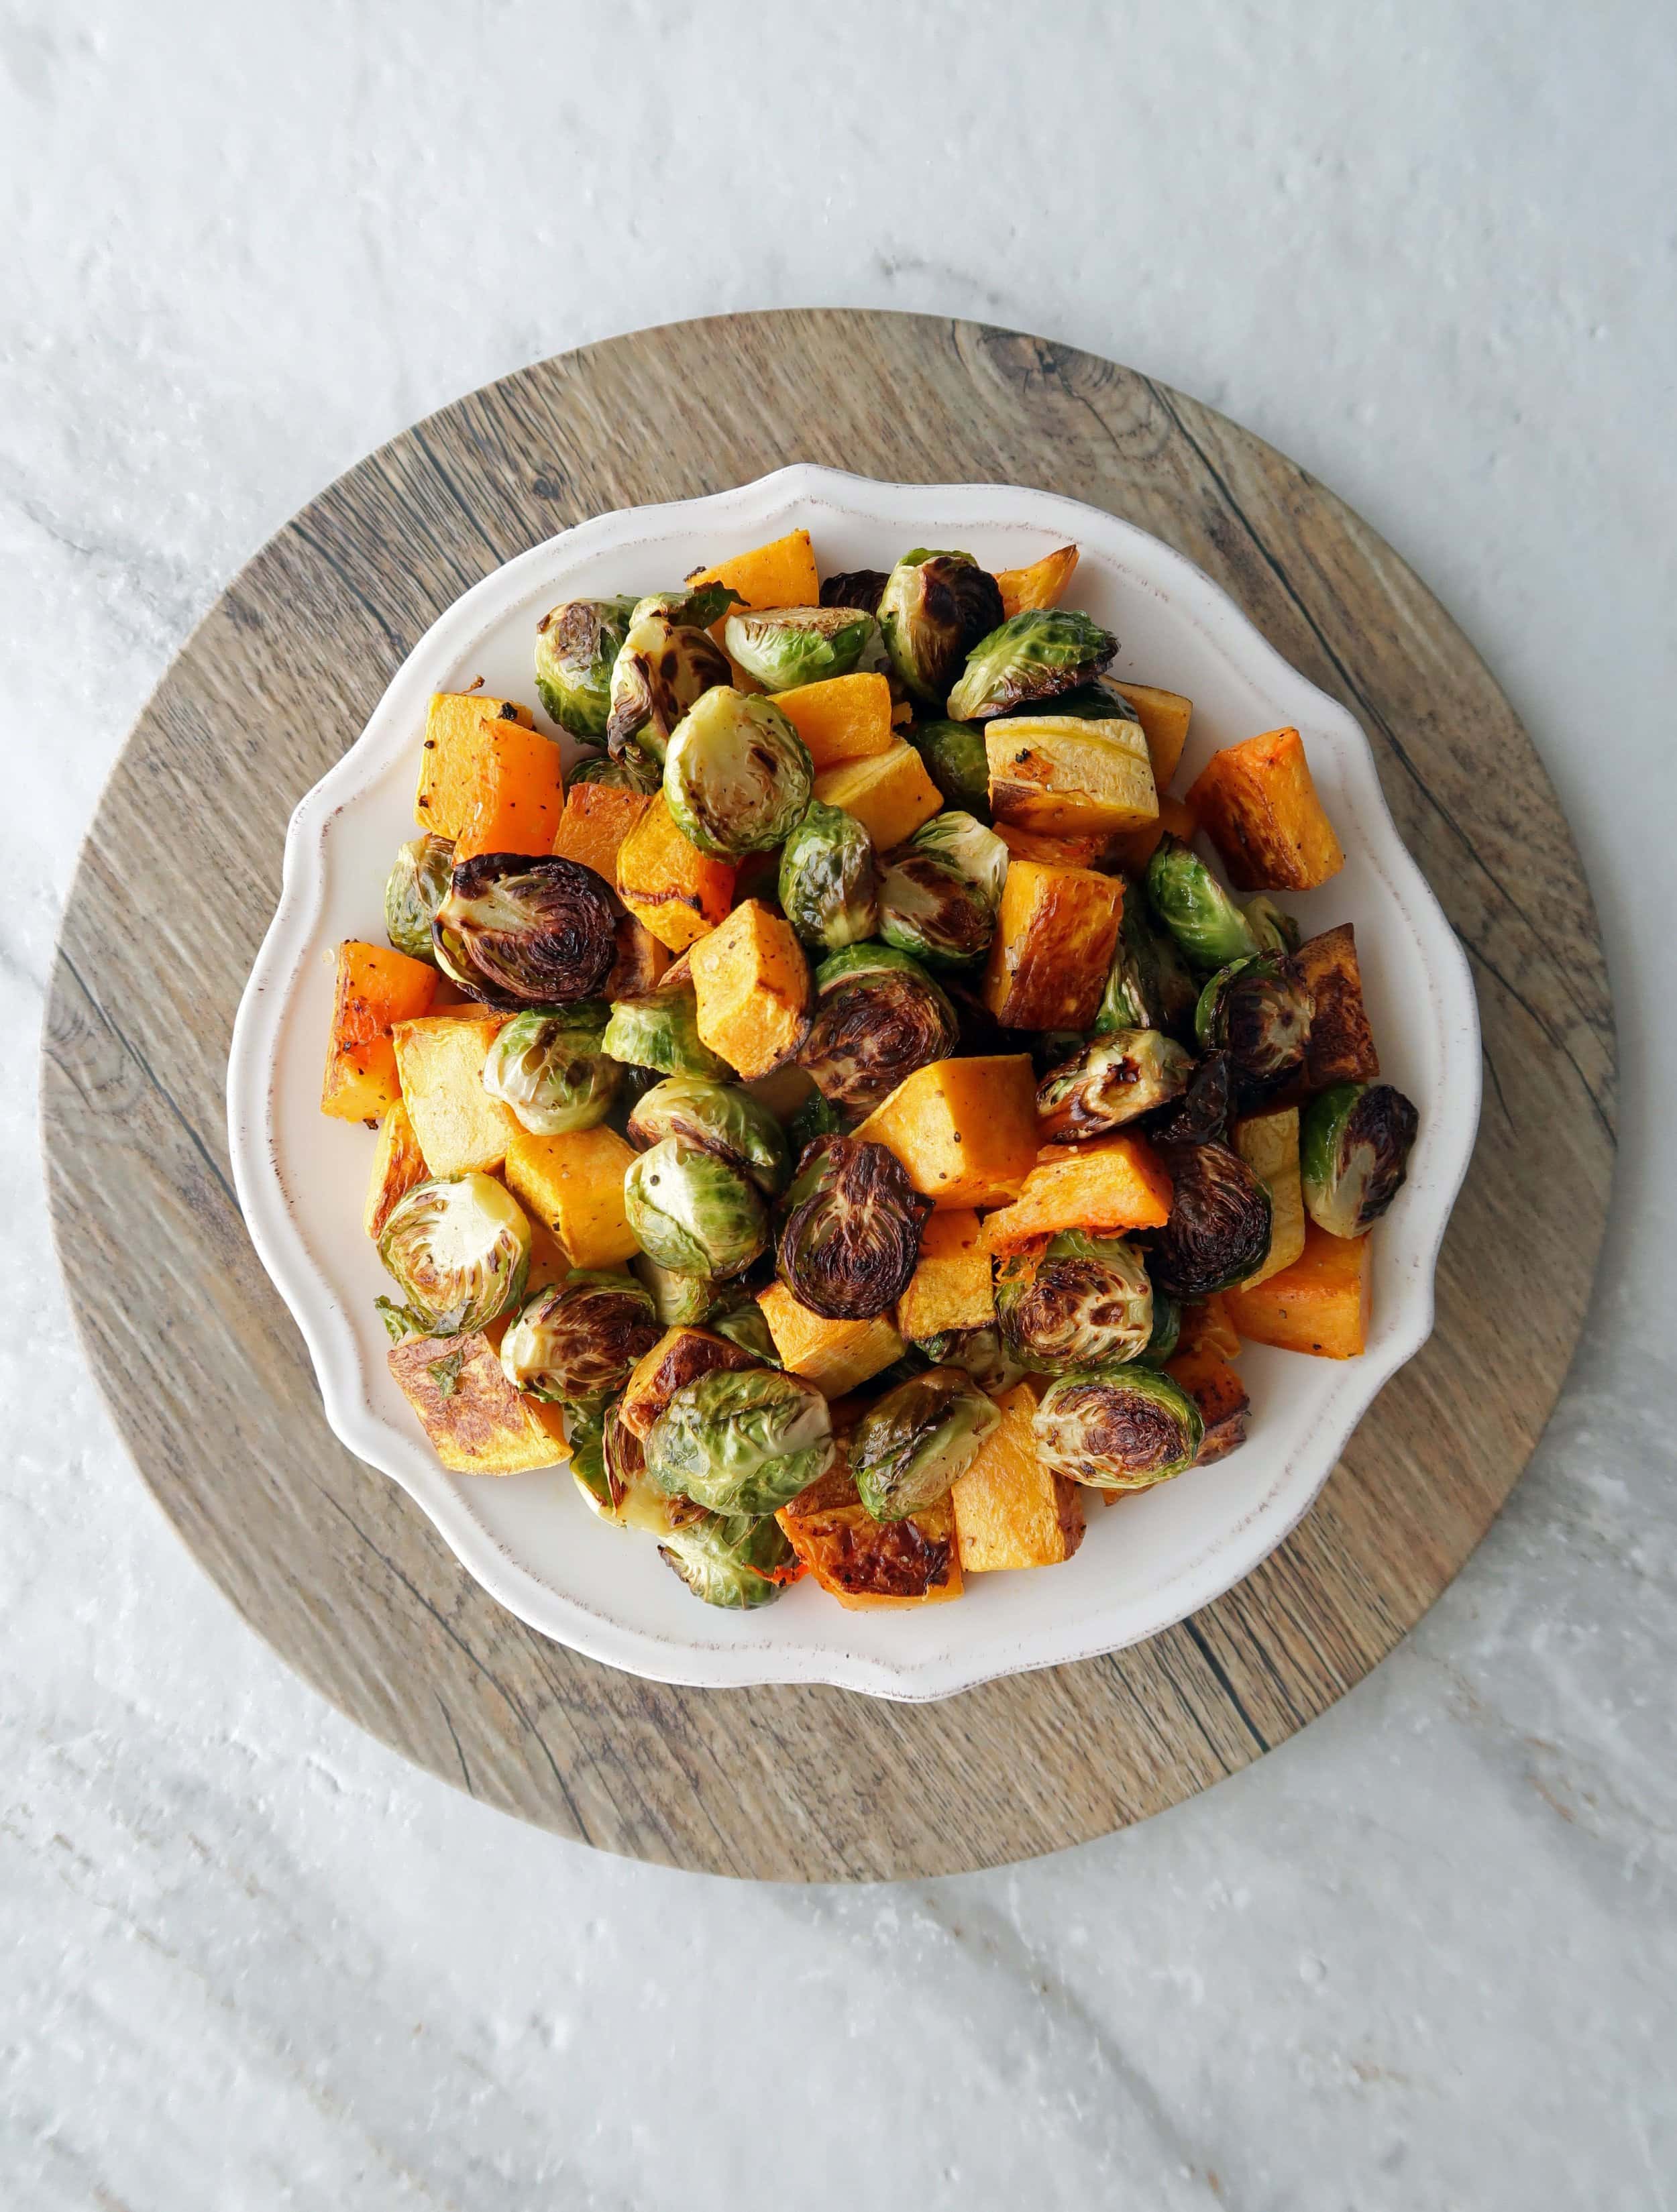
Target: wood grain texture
208 1381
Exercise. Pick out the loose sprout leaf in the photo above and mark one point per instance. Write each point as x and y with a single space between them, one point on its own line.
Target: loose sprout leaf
445 1373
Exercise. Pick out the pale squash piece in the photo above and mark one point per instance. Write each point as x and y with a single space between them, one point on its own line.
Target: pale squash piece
1220 1394
597 819
782 573
1067 776
515 793
1134 849
376 988
751 983
890 793
1268 1143
398 1165
476 1422
964 1130
1115 1185
677 891
458 1125
867 1563
1053 946
1041 584
574 1184
1055 852
1010 1509
837 1356
1259 806
952 1285
449 757
1320 1305
1341 1048
846 718
1165 716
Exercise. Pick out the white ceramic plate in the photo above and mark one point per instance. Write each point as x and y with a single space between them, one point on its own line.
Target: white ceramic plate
529 1539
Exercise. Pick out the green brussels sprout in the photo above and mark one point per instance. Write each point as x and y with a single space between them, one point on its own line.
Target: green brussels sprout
1109 1082
737 776
516 932
815 1118
731 1559
741 1441
727 1120
783 647
932 610
911 1444
609 1466
967 844
574 1342
1036 654
957 761
980 1352
1201 1114
1167 1330
635 769
1147 987
416 888
577 643
680 1300
460 1247
854 587
691 1209
1085 1303
665 666
850 1230
1201 916
1275 932
1258 1012
929 908
826 885
879 1016
1218 1230
660 1028
550 1069
741 1321
1122 1432
1354 1154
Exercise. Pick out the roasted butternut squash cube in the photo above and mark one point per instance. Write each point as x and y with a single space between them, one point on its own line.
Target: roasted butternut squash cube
751 983
596 821
846 718
1320 1305
398 1165
377 988
1053 946
1134 849
573 1183
837 1356
1221 1397
476 1422
1340 1048
457 1123
1257 804
1268 1143
1164 717
679 1356
964 1130
890 793
1041 584
1057 852
548 1264
1058 773
1115 1184
865 1563
1010 1509
782 573
516 795
451 753
952 1285
677 891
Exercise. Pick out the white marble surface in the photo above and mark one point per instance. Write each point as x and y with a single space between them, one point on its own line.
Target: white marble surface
1423 1956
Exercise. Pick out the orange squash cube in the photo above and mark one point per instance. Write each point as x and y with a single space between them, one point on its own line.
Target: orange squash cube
1341 1047
1134 849
1257 804
1106 1187
865 1563
890 793
837 1356
1055 930
952 1285
1010 1509
449 757
1041 584
751 985
779 574
846 718
398 1165
677 891
517 793
573 1185
1320 1305
1054 851
597 819
964 1130
1220 1394
377 987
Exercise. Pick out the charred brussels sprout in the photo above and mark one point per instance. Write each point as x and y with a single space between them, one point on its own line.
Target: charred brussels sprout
854 587
665 666
1275 932
731 1559
850 1234
416 888
1111 1082
979 1353
636 770
1354 1153
1147 987
679 1299
691 1210
912 1443
574 1343
739 1319
1085 1303
737 776
929 908
1201 916
1167 1330
552 1069
576 644
1034 655
660 1029
1124 1431
610 1466
933 610
826 885
726 1120
783 647
741 1442
956 762
968 845
879 1016
1218 1230
460 1247
1201 1114
518 932
1258 1012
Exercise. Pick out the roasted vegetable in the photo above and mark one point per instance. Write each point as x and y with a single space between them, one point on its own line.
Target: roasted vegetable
1109 1082
727 1120
1259 806
1069 775
964 1129
1201 1114
979 1353
1354 1154
957 764
664 667
1268 1143
741 1442
1275 932
679 1298
849 718
933 610
1218 1228
415 889
691 1209
660 1028
1147 987
752 987
576 1343
865 1563
666 882
879 1016
849 1234
778 575
458 1246
440 1060
1032 655
398 1165
733 1559
1087 1303
968 845
854 587
680 1356
911 1444
826 883
552 1070
837 1356
1011 1509
890 792
1207 924
931 909
473 1418
1055 932
1164 717
1041 584
457 728
376 990
516 931
1341 1047
1320 1305
609 1463
515 796
1258 1012
1119 1431
1115 1184
1220 1398
739 1320
634 770
573 1185
577 643
1167 1330
782 647
737 775
597 819
950 1287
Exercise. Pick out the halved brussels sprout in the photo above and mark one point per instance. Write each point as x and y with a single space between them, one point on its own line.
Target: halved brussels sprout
854 587
741 1442
967 844
1111 1082
635 769
1201 916
740 1320
957 761
1257 1010
1218 1230
737 776
574 1342
1036 654
460 1247
727 1120
850 1230
929 908
732 1559
879 1016
660 1029
515 931
826 883
1123 1432
781 648
979 1352
610 1466
1275 932
665 665
1085 1303
1201 1114
1354 1154
1167 1330
552 1070
692 1210
933 610
681 1300
911 1444
416 888
1147 987
576 644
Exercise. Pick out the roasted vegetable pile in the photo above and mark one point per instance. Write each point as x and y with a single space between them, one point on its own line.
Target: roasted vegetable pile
844 1116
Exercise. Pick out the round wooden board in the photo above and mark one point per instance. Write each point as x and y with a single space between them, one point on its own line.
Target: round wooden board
207 1379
